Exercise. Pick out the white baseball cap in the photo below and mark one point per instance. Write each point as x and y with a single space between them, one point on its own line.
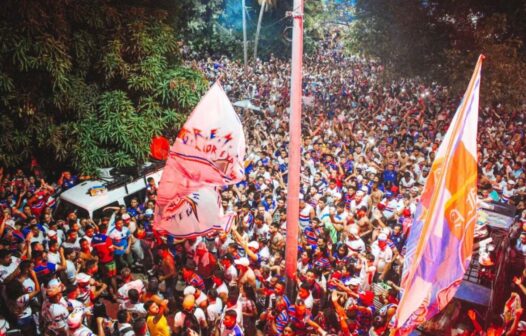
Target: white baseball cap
189 290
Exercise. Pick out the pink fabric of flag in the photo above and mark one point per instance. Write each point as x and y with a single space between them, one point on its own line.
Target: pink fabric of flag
440 243
196 214
209 149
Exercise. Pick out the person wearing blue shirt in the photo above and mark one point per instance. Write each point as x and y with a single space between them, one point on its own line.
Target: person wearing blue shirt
135 209
67 181
268 203
390 175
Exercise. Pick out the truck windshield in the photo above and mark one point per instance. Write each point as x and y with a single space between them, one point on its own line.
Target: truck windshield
103 212
64 208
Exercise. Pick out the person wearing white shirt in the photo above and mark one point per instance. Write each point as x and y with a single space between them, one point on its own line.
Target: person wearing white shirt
359 201
55 310
322 209
53 256
383 254
305 294
354 242
220 286
8 266
215 306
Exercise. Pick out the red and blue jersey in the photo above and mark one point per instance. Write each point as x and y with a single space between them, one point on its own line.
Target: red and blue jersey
196 281
310 236
44 270
322 263
282 320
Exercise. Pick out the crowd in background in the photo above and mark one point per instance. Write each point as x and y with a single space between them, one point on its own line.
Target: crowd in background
367 148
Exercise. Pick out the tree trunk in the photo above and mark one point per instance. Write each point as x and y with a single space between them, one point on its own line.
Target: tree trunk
261 10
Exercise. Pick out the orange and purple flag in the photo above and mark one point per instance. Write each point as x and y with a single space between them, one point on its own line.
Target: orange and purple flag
440 243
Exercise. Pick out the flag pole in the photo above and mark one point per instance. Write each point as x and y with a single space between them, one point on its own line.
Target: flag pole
291 249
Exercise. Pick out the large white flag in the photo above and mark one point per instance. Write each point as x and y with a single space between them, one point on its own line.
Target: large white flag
196 214
208 152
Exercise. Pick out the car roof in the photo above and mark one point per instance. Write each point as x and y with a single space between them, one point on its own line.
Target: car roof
79 195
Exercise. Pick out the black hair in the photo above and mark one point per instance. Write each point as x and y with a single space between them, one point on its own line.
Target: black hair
147 305
232 313
4 253
233 295
14 289
219 273
37 254
306 286
213 293
90 263
133 295
122 316
68 251
25 265
71 288
249 291
153 284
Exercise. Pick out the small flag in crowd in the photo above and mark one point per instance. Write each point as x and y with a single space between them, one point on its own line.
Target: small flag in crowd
196 214
209 149
208 153
440 243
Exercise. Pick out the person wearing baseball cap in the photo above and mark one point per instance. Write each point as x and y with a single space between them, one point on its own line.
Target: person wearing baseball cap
54 312
75 326
231 272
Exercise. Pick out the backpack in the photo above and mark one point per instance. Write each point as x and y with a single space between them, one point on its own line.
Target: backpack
190 322
117 332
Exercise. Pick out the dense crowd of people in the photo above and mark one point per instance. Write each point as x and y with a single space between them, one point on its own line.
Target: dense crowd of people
367 148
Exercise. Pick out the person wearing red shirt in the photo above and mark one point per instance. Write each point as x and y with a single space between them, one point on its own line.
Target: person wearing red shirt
103 248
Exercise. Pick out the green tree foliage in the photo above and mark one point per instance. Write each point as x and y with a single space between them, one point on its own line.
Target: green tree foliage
214 27
441 40
211 26
399 33
89 82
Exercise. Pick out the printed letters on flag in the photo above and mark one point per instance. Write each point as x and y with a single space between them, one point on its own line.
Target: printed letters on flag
440 242
196 214
209 149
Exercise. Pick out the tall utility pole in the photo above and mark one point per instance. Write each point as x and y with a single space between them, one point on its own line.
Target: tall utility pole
291 249
258 29
245 55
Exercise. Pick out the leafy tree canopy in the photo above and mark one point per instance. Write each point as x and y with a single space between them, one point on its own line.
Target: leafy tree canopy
89 82
441 40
